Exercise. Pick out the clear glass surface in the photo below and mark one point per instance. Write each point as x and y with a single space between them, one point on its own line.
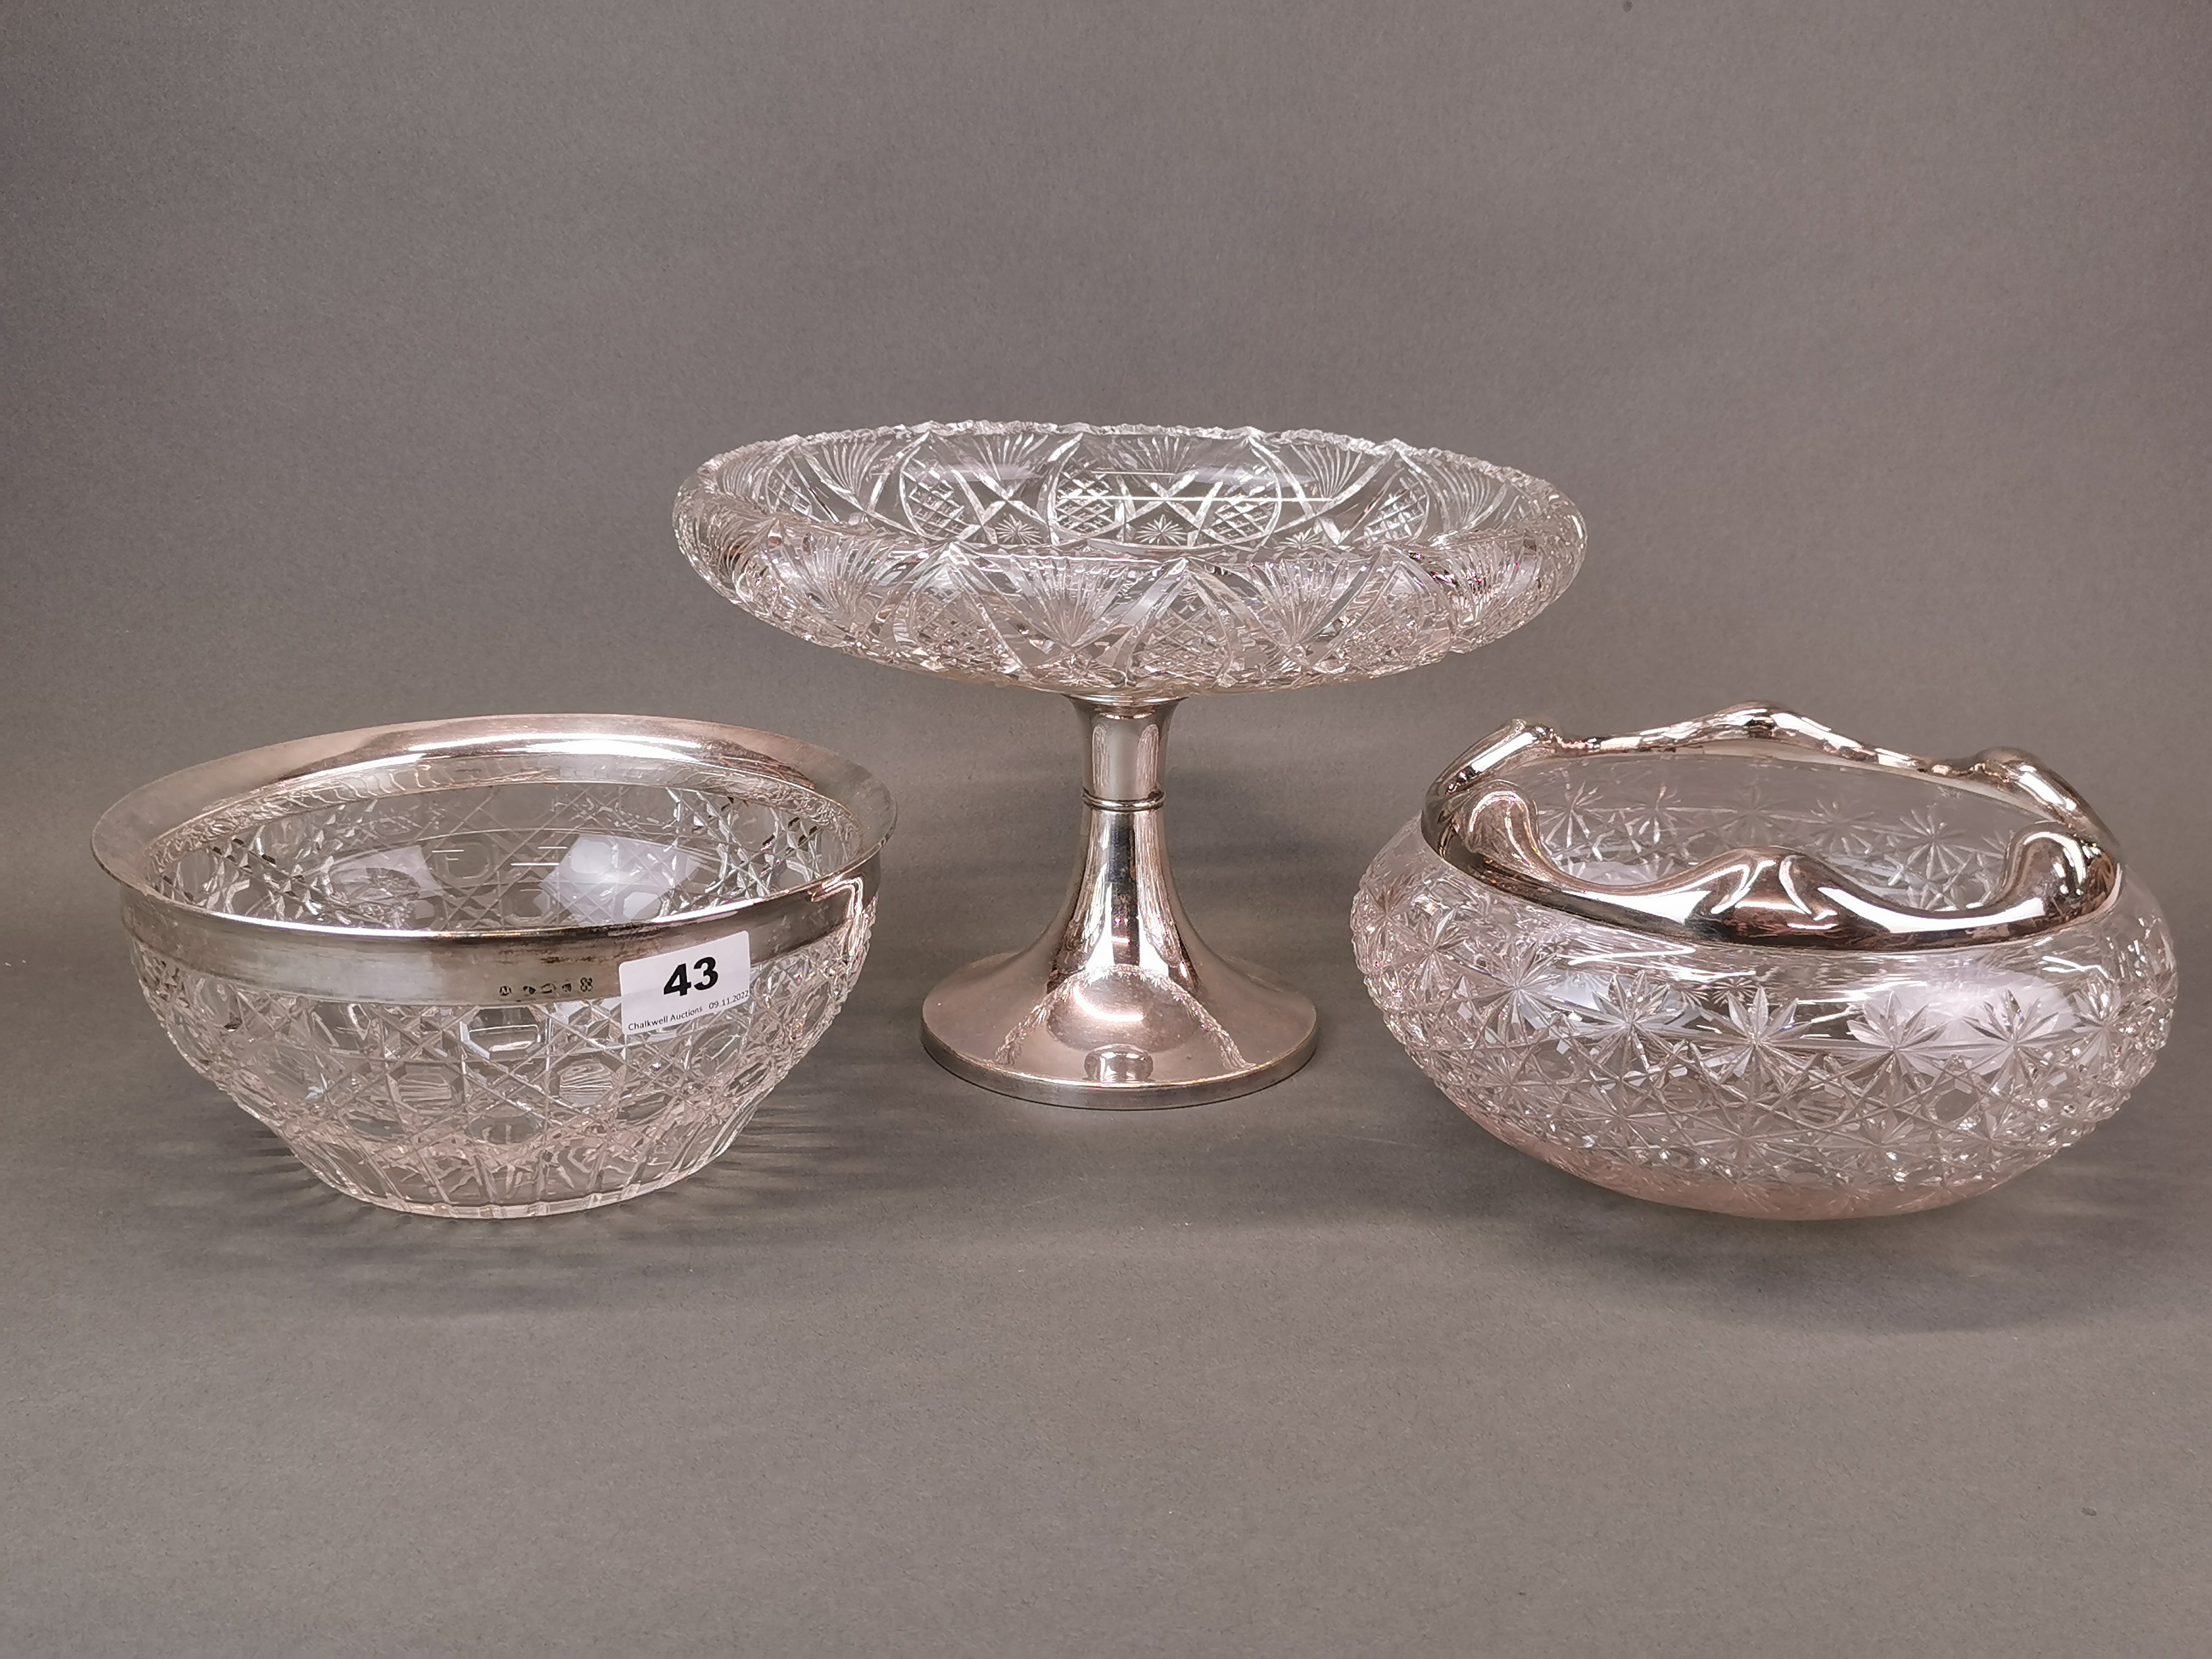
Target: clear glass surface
513 856
1621 819
506 1110
1763 1080
1128 562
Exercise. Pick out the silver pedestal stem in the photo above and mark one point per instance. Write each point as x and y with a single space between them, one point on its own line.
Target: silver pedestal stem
1120 1003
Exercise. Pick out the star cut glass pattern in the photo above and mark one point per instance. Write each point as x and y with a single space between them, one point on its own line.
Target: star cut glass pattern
1128 562
529 1107
502 1111
1763 1080
1637 817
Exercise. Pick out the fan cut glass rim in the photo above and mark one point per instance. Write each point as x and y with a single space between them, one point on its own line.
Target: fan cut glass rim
1550 503
437 965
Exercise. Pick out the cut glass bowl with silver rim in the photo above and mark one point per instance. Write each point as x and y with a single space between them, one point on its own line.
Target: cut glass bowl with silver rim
1747 965
507 966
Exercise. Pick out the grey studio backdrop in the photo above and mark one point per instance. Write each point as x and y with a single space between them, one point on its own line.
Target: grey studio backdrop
354 356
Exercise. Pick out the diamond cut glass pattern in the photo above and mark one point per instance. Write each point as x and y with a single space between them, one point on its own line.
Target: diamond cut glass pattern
501 1111
1128 560
1765 1080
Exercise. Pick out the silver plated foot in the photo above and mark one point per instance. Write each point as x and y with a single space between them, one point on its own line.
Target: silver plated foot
1120 1004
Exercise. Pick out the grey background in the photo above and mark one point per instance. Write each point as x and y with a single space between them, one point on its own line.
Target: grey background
354 355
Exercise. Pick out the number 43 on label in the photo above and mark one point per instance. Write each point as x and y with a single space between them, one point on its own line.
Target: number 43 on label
677 986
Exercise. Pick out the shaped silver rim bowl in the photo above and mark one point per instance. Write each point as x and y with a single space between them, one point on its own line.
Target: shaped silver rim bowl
2058 868
1745 964
470 1002
1125 567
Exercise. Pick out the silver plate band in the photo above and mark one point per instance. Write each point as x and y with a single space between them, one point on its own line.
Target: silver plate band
2056 871
395 965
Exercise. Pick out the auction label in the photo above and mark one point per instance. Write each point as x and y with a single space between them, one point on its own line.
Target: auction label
672 989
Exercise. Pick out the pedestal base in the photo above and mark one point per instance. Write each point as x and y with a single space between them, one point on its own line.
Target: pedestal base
1120 1004
1121 1040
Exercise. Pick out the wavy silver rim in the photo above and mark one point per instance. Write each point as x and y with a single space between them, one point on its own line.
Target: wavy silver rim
2056 871
412 965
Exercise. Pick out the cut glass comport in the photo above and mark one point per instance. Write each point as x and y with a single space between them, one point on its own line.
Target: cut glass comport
1747 965
1127 568
502 967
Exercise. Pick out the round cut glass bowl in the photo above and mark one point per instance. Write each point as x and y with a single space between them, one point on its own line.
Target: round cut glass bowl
431 958
1746 965
1128 562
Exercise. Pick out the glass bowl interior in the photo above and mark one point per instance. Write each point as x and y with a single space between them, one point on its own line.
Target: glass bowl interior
523 854
1128 562
524 824
1919 841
